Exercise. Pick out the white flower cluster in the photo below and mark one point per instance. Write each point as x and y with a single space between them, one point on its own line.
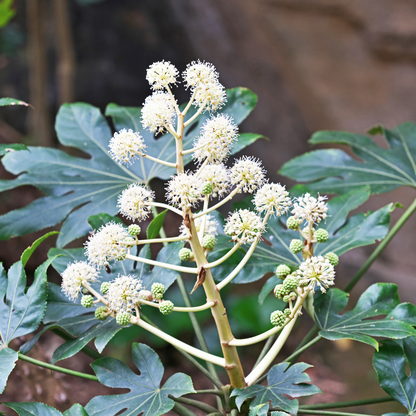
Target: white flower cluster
211 226
219 177
107 244
184 190
202 79
158 111
311 209
161 74
134 202
216 138
126 145
273 197
317 270
248 173
244 226
73 277
123 292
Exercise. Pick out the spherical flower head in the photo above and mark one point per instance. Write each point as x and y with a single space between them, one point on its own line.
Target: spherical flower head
211 96
244 226
219 178
198 73
126 145
211 226
73 277
158 111
184 190
134 202
217 136
107 244
311 209
123 293
317 270
161 74
274 198
247 173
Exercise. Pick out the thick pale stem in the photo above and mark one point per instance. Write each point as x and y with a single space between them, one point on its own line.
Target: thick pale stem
160 264
225 200
172 132
179 344
160 161
223 258
165 206
200 308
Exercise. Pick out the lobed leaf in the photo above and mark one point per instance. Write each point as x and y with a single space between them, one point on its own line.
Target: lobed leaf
41 409
8 359
146 395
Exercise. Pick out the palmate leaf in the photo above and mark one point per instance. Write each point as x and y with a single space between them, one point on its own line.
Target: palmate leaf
390 365
86 327
41 409
334 171
281 382
8 359
345 234
92 184
378 299
146 395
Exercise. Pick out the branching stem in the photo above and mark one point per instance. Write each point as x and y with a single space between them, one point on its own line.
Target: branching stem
200 308
160 161
161 264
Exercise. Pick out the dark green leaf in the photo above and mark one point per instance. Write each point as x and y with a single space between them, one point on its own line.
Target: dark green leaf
337 172
282 380
9 101
30 250
30 409
378 299
390 365
268 287
8 359
75 410
6 148
23 310
97 221
146 395
155 226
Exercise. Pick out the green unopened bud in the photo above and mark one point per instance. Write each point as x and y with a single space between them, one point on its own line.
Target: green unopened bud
158 289
166 307
123 318
296 246
293 223
290 296
185 254
279 291
134 230
129 242
104 287
208 242
86 301
282 270
101 313
333 258
287 312
207 188
321 235
277 318
290 283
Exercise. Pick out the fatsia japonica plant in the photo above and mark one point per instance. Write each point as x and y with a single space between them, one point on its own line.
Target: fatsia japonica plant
114 282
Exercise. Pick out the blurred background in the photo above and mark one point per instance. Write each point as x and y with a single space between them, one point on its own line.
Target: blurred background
315 64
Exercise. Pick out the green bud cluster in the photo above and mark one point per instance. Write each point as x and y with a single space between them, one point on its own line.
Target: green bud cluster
290 283
129 242
123 318
134 230
207 188
321 235
186 254
86 301
333 258
282 270
158 289
104 287
101 313
277 318
296 246
293 223
279 291
166 307
290 296
208 242
287 312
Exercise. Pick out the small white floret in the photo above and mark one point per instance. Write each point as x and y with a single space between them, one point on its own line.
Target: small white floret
74 275
134 202
244 226
219 177
158 111
184 190
107 244
311 209
211 96
161 74
199 73
272 197
126 145
123 293
248 174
